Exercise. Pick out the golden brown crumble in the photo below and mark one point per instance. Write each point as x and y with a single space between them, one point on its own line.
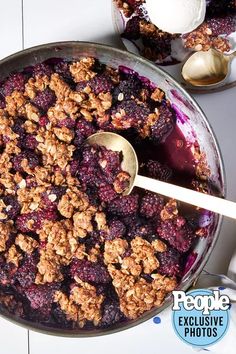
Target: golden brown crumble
131 266
101 221
30 198
5 230
159 246
61 241
26 243
30 126
56 113
97 104
203 39
137 295
114 250
94 253
64 134
144 254
15 104
83 222
202 169
68 307
6 127
32 113
90 303
170 210
145 130
123 178
72 200
49 269
61 89
81 70
82 304
157 95
13 256
7 179
39 83
2 214
54 151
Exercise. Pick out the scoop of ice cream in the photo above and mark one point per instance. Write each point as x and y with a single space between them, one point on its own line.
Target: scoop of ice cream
176 16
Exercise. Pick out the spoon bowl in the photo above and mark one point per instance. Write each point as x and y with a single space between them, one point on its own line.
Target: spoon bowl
207 68
116 142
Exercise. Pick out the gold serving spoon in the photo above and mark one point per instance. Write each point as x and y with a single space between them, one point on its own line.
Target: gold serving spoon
116 142
207 68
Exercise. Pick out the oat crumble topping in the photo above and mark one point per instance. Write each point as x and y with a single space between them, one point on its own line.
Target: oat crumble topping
77 250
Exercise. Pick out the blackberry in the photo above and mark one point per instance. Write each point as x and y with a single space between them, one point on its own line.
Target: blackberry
124 205
15 306
101 83
85 128
143 230
33 221
12 208
43 121
26 273
31 182
31 157
129 88
151 205
117 229
44 99
41 296
220 8
110 162
222 25
81 86
134 114
158 171
42 69
74 165
89 176
7 271
177 232
2 102
106 193
164 125
157 47
63 69
170 263
29 142
59 317
132 29
67 122
90 272
15 82
18 127
111 313
56 192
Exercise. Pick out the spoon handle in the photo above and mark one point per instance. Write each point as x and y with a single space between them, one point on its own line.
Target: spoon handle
201 200
232 55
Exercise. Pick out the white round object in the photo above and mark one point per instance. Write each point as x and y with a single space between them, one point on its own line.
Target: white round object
176 16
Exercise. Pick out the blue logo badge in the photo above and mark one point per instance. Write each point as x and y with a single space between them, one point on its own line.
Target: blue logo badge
200 317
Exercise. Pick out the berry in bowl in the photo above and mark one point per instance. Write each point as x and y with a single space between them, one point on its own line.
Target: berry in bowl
77 257
141 36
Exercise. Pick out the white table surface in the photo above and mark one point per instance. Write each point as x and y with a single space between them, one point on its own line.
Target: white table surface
25 23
